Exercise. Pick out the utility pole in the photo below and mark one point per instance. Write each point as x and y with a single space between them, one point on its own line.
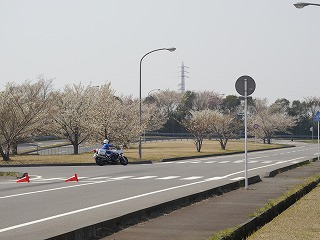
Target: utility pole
183 76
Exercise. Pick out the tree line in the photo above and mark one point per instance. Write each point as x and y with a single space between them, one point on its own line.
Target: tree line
89 114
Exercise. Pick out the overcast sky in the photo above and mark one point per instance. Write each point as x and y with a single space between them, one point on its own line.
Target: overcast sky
96 41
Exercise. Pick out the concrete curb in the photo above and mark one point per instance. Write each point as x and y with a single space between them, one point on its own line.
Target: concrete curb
284 169
111 226
257 222
220 154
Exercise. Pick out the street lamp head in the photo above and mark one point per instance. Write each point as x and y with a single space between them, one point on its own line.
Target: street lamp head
171 49
300 5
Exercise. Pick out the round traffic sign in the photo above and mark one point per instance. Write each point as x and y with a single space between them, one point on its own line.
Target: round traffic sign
240 85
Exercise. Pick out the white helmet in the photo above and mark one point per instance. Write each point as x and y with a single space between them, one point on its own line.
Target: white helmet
106 141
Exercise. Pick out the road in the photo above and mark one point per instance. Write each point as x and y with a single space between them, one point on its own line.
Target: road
48 206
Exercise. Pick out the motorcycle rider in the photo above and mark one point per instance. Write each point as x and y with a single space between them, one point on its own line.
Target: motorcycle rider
107 146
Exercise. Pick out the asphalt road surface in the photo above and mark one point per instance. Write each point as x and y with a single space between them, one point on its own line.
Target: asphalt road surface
49 206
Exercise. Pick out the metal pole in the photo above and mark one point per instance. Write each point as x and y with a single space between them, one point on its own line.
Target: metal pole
140 113
140 102
245 133
318 143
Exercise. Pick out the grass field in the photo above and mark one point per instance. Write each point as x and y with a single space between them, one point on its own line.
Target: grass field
154 151
300 221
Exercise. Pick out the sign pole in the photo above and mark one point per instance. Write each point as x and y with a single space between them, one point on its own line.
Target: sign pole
245 86
317 119
318 143
245 133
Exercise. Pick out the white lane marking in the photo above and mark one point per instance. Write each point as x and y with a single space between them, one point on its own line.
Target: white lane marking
128 199
144 177
224 162
238 161
214 178
97 178
210 162
192 178
35 177
53 189
121 178
252 161
237 179
46 179
267 162
251 158
169 177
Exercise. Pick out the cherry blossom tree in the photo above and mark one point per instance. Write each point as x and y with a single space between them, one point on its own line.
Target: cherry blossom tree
72 114
24 111
269 121
198 125
222 127
207 100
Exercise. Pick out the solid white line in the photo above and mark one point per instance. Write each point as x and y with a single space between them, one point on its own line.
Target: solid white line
127 199
192 178
237 179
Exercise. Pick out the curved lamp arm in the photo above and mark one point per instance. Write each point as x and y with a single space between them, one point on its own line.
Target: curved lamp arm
302 4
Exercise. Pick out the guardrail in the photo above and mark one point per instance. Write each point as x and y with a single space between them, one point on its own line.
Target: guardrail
56 150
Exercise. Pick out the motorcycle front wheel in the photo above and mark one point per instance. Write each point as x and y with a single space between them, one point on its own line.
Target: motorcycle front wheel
123 160
99 161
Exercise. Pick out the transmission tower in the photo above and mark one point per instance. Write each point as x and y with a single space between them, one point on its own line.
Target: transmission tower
183 76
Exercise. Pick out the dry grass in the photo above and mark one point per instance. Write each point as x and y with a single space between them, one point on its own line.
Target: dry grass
300 221
154 151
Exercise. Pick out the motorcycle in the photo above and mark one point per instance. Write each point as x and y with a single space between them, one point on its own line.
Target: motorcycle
102 157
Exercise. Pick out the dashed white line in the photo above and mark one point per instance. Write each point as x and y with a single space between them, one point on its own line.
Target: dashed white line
239 161
267 162
144 177
168 178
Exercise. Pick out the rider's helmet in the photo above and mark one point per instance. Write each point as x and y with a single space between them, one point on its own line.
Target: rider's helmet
106 141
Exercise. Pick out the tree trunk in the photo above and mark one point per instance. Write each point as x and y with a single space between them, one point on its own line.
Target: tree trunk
5 155
223 146
198 144
14 148
75 148
76 141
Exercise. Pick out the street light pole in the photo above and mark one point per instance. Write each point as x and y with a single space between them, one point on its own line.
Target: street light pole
299 6
140 103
